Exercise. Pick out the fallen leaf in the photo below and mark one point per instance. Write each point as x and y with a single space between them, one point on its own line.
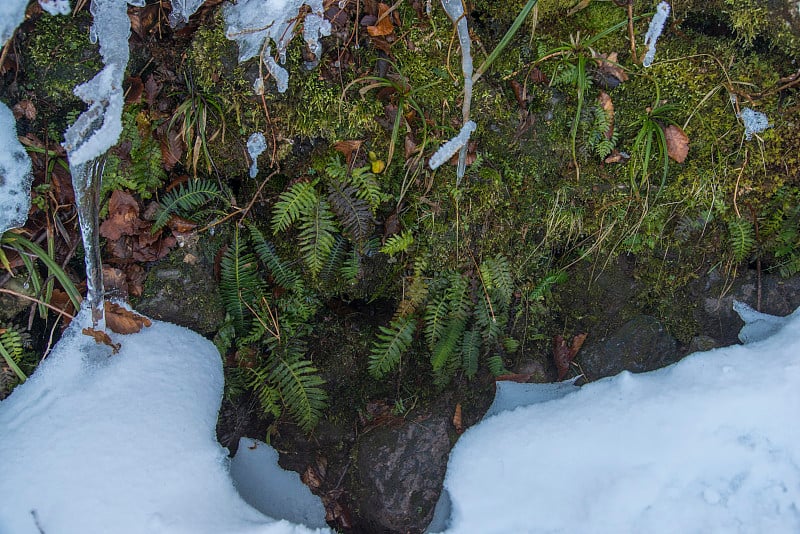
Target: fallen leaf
135 275
151 89
102 339
348 148
677 143
519 91
457 423
179 225
383 26
609 73
519 378
133 95
123 321
59 299
409 146
115 282
24 108
123 216
311 478
616 157
563 354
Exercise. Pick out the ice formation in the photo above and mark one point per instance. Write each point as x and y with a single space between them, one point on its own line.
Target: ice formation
12 13
124 443
654 32
256 144
15 174
447 150
455 10
182 10
709 444
253 24
754 122
56 7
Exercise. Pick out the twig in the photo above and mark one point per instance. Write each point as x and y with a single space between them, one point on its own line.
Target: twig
258 192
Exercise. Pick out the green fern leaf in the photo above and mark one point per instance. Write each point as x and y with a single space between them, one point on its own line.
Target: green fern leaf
317 236
239 285
398 243
470 350
299 385
335 259
300 199
354 213
284 276
742 238
187 198
496 365
496 277
12 349
390 345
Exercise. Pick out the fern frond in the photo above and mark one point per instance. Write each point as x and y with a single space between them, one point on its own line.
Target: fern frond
741 238
334 261
268 396
239 282
12 348
496 277
470 351
446 347
189 197
351 267
284 276
489 318
317 236
354 213
368 188
543 289
299 386
496 365
390 345
300 199
435 314
398 243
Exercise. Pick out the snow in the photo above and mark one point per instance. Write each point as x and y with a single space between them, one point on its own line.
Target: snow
15 174
56 7
12 13
96 442
182 10
253 24
654 32
256 145
710 444
754 122
447 150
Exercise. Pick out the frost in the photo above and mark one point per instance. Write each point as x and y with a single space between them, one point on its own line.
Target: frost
253 24
654 32
55 7
256 144
754 122
455 10
182 10
447 150
15 174
12 13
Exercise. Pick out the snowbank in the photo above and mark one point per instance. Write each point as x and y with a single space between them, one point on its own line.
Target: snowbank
123 443
710 444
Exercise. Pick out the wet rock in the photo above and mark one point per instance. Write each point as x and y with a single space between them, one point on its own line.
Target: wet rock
401 472
642 344
184 293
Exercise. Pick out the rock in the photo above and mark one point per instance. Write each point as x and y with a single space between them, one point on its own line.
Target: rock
10 305
401 471
642 344
183 293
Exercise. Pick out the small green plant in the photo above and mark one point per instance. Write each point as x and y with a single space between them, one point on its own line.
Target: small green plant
185 201
12 348
650 141
741 238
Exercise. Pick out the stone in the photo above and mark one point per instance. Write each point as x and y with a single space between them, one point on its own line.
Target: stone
642 344
401 471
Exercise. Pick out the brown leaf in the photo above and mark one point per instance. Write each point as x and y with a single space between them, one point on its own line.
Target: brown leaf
519 91
179 225
609 69
311 478
151 89
123 216
520 378
383 25
171 147
348 148
457 423
102 338
616 157
135 275
563 354
409 146
122 321
135 90
61 300
115 281
24 108
677 143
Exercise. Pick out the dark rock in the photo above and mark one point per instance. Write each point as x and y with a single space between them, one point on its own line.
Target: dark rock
184 293
401 471
642 344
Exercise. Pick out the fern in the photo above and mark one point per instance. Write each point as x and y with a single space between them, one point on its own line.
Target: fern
470 350
365 182
496 278
435 314
392 342
12 349
351 267
293 380
187 198
300 199
335 259
741 238
458 313
490 317
496 365
354 213
398 243
317 236
283 275
239 285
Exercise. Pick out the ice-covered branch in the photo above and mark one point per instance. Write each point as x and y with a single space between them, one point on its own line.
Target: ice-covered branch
654 32
447 150
253 24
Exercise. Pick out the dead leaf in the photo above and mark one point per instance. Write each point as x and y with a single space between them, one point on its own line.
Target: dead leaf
609 73
348 148
616 157
151 89
102 339
24 108
135 90
457 423
312 478
677 143
123 321
519 91
563 354
115 282
520 378
61 300
179 225
383 26
135 275
409 146
123 216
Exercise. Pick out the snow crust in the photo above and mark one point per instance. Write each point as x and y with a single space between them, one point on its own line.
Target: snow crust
123 443
254 24
710 444
12 13
256 145
754 121
56 7
15 174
